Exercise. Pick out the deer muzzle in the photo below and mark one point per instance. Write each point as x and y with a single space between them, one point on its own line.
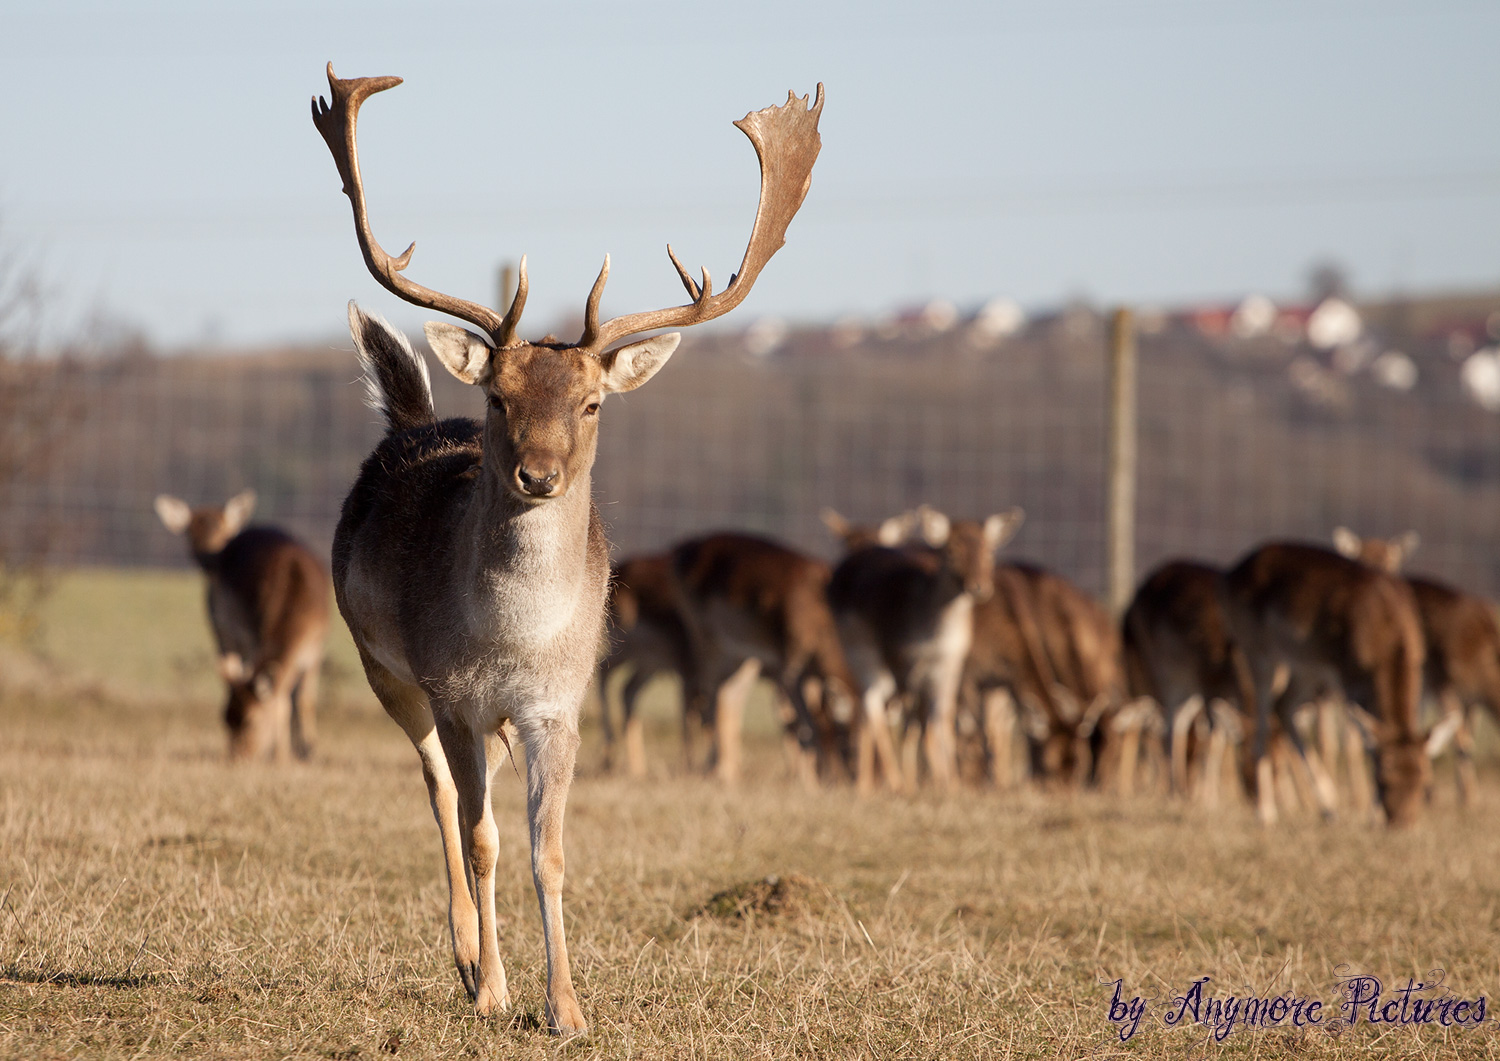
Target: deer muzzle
539 477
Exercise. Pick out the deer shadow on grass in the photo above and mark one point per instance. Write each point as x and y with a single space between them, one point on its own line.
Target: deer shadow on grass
64 978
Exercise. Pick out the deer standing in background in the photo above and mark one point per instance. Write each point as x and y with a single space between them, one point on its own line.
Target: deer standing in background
751 604
646 634
1337 626
1463 647
1080 647
268 607
1179 651
470 562
905 616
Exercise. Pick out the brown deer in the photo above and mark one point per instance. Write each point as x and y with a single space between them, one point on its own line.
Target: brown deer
647 635
905 614
752 604
1080 646
1463 647
1179 650
268 608
470 562
1336 626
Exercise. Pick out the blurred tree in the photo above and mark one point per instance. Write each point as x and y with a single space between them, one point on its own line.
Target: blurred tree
36 410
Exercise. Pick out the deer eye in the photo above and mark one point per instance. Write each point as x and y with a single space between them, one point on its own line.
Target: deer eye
497 404
591 409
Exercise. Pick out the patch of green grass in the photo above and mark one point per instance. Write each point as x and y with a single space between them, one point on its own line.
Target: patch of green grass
144 632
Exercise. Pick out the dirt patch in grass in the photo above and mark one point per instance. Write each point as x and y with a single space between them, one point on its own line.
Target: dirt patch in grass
789 895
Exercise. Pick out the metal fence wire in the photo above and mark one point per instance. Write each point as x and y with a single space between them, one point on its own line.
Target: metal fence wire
1240 440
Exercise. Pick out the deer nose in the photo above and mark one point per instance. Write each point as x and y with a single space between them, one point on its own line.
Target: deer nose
539 480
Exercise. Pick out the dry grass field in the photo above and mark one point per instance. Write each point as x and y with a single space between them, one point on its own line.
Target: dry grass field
155 902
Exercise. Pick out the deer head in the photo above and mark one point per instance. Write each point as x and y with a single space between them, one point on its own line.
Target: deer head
541 424
1387 554
969 546
208 529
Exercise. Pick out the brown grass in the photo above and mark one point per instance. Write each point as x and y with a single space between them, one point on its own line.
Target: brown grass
157 902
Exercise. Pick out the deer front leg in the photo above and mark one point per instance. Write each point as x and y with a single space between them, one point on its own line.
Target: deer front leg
463 917
408 707
551 748
480 843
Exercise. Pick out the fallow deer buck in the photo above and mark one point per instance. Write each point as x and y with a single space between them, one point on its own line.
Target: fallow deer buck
1463 647
470 562
752 604
268 607
1336 626
905 614
648 637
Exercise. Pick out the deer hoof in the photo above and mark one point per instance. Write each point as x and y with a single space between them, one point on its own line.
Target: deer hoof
565 1017
491 1001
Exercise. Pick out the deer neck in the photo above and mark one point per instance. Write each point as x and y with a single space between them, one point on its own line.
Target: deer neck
525 563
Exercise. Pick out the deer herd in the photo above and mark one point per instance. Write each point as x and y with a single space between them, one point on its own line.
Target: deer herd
471 567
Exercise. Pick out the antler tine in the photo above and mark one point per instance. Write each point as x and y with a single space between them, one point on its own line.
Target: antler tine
786 143
336 121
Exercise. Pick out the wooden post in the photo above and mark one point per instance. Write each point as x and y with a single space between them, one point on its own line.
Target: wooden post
1120 503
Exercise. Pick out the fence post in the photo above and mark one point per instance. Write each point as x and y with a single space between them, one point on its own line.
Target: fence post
1121 471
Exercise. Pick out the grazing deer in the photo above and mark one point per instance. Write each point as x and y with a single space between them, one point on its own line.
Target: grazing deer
1179 651
268 607
1463 646
1081 647
647 635
745 598
1007 668
1336 625
906 618
470 562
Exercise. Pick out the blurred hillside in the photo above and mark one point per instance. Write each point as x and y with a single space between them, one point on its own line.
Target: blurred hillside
1255 421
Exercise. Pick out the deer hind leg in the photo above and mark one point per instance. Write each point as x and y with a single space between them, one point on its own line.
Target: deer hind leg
729 714
999 729
635 744
941 738
551 748
305 709
1311 780
1463 746
408 707
1178 730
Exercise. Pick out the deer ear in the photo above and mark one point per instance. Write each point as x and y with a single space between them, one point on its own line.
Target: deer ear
1001 527
627 367
1346 542
1405 545
173 513
237 511
462 352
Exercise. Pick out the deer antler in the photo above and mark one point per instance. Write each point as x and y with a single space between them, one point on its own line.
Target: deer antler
336 123
786 142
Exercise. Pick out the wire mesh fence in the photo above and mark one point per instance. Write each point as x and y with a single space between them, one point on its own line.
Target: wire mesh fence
1240 440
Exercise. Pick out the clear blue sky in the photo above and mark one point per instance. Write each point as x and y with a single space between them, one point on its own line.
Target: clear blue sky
159 161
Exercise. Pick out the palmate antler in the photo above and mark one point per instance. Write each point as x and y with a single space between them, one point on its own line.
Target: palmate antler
786 142
336 122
